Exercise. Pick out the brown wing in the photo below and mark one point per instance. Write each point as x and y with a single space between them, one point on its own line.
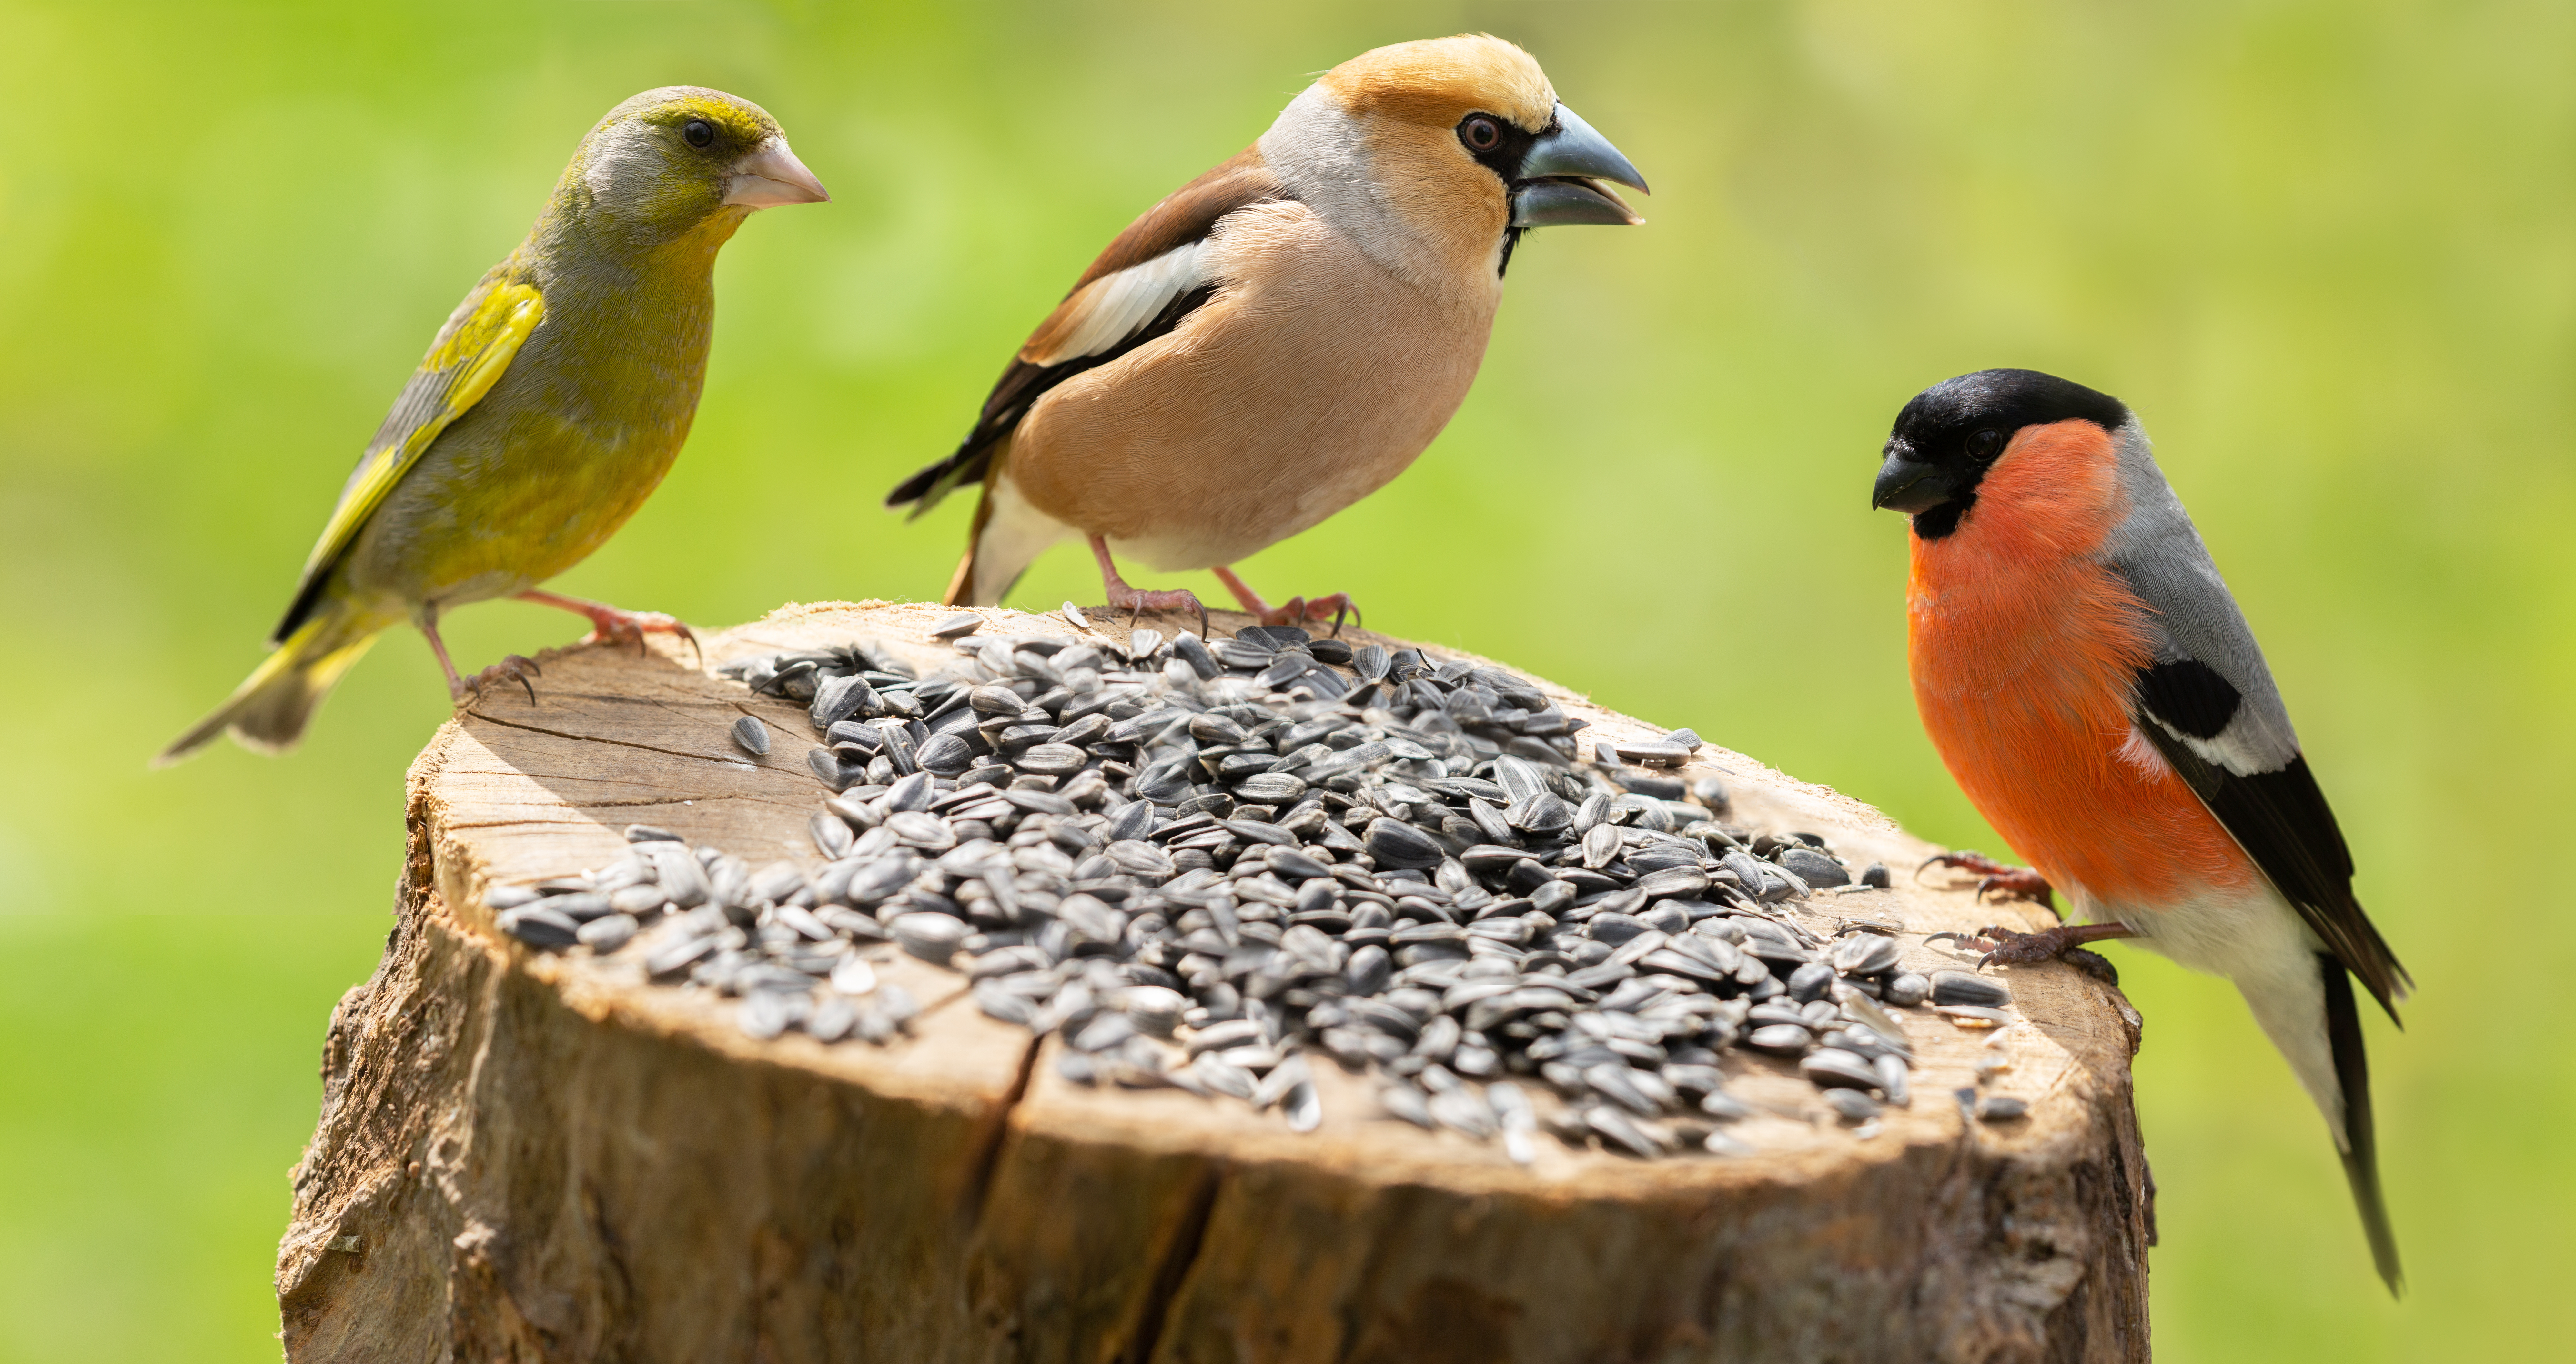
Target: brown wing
1138 289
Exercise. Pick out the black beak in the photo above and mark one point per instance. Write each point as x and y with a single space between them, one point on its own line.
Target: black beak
1909 485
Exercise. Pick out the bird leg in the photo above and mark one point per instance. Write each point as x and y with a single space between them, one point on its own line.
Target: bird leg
2006 947
1297 609
512 667
2020 883
609 624
1135 601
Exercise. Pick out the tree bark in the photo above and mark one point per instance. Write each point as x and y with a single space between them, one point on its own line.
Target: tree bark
534 1156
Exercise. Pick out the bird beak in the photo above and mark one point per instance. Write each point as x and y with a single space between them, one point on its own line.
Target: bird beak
1907 484
771 175
1560 182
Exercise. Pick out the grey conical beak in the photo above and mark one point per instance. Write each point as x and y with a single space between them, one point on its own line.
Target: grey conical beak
1560 180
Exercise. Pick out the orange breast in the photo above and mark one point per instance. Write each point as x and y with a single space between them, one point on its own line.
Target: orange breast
2022 647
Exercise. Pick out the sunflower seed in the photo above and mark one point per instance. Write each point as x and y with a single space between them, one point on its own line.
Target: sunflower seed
1961 987
1865 954
1780 1039
1619 1130
1829 1067
1395 844
1137 843
1851 1105
1269 788
540 926
750 735
932 937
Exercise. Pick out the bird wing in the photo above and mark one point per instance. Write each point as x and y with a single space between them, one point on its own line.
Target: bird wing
1152 276
2208 703
464 362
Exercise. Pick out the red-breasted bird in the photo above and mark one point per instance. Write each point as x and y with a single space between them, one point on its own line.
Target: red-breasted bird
2098 695
1283 335
547 410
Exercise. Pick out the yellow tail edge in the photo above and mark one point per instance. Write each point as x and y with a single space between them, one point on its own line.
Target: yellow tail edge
267 713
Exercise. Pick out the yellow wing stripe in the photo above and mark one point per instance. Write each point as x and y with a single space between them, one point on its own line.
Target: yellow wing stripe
478 352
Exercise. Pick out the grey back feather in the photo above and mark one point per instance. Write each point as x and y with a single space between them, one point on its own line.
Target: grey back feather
2159 553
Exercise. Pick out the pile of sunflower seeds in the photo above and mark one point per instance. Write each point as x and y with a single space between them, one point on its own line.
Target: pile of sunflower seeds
1209 864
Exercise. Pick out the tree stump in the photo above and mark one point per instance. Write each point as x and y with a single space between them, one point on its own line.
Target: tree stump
527 1156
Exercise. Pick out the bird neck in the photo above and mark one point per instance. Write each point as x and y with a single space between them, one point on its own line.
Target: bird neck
1414 226
577 225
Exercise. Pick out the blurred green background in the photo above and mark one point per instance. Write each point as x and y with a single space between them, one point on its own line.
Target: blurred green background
2324 248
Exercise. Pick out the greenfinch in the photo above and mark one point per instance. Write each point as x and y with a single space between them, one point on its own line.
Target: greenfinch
548 408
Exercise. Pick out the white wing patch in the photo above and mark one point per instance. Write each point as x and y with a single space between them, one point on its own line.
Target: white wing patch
2245 747
1114 307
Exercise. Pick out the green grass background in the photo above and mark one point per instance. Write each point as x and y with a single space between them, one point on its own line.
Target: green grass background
2323 247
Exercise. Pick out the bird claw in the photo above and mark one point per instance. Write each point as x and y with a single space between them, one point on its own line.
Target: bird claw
1999 878
512 667
1964 942
609 625
1136 602
621 627
1297 610
2008 947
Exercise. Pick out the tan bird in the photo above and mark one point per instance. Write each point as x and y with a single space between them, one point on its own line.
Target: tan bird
1281 337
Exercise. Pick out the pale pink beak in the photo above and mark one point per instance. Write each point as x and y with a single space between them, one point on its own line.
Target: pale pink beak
771 175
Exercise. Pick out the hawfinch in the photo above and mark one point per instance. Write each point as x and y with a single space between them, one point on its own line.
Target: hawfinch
549 406
2097 694
1283 335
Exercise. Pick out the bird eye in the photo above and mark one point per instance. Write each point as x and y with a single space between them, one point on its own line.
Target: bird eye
698 131
1480 133
1985 445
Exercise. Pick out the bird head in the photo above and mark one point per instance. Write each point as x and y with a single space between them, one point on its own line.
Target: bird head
1455 141
669 161
1953 434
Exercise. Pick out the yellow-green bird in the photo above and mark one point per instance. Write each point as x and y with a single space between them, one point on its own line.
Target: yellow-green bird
549 407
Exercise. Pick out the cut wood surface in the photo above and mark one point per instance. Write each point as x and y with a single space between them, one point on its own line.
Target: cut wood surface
531 1155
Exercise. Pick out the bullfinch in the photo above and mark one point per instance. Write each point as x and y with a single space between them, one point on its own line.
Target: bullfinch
546 411
2096 692
1281 336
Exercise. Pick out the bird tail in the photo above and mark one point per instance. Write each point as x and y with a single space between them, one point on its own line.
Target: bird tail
2360 1140
267 713
1007 537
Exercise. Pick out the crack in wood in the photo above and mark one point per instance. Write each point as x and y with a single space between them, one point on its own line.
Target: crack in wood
604 739
1188 1239
988 1161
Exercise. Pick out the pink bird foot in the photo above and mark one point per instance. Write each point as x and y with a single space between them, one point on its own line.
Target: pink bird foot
612 626
1136 601
1296 610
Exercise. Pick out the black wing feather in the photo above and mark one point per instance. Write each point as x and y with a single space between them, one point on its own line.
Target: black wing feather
2283 822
